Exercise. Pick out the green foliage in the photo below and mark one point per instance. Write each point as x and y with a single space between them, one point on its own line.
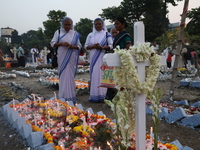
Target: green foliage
155 100
33 37
15 38
84 27
110 13
194 23
53 23
103 133
152 12
170 39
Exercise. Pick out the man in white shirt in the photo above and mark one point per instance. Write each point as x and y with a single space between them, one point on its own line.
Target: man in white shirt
34 52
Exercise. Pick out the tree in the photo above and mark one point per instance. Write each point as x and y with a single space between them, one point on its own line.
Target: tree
84 27
15 38
33 37
110 13
194 23
53 23
152 12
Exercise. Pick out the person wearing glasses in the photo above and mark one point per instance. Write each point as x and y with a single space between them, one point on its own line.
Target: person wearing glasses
97 42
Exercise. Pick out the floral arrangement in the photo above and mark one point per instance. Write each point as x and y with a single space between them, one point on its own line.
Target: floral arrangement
72 129
128 84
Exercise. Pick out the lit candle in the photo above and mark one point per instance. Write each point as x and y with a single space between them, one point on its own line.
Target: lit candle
91 148
89 114
62 147
110 145
39 99
55 96
151 136
13 104
34 99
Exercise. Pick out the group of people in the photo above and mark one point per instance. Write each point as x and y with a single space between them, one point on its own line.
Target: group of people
98 42
22 54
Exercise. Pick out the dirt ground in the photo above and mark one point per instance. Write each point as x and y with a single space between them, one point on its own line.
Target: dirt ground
10 140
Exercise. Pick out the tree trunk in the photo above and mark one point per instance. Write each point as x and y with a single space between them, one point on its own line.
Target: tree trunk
179 47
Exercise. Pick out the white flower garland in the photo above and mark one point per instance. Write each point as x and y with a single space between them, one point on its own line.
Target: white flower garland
126 76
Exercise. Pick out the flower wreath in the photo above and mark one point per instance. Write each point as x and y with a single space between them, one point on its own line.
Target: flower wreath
126 75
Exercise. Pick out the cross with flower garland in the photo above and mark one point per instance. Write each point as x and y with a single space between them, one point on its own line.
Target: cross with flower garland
140 114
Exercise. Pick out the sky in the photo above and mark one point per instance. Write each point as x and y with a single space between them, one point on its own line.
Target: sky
25 15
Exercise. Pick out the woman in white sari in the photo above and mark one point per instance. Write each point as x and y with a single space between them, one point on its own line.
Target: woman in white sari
67 41
98 42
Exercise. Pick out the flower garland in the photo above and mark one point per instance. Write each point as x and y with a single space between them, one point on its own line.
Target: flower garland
126 75
128 84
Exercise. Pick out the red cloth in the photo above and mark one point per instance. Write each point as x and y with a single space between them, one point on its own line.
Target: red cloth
169 58
192 53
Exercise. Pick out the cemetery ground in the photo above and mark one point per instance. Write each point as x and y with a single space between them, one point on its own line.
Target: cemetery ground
10 140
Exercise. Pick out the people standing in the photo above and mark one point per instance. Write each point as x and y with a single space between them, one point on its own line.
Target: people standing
124 41
1 57
123 38
193 53
113 32
34 52
98 42
20 53
50 55
68 43
187 57
155 47
169 60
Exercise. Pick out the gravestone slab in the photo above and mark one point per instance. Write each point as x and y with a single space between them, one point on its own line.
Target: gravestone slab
175 115
35 139
163 113
25 130
192 121
45 147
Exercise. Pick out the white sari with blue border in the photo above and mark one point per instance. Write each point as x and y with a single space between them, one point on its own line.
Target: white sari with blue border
97 94
67 65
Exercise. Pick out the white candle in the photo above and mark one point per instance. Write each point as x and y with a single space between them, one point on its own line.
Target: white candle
34 99
58 106
151 136
55 95
89 114
110 145
13 104
39 99
35 119
62 147
84 124
71 112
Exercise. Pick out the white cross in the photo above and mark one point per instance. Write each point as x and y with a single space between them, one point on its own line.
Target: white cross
114 60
